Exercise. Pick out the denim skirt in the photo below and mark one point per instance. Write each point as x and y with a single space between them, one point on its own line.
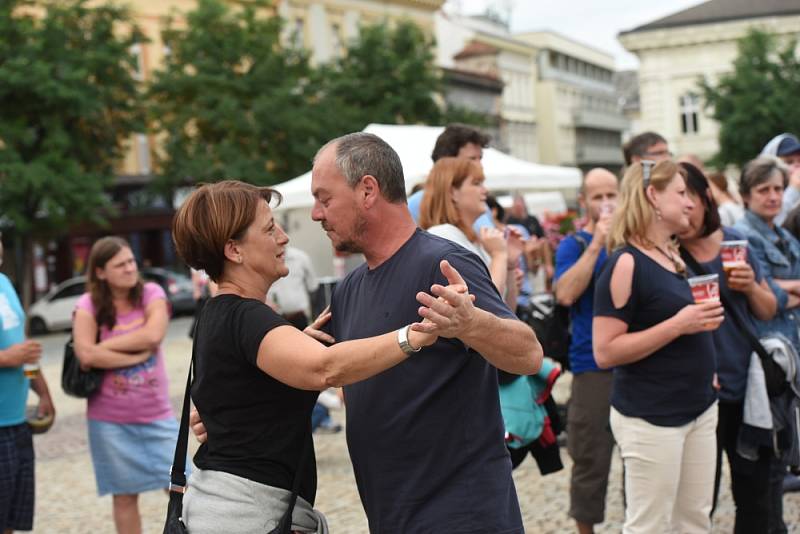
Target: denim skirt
131 458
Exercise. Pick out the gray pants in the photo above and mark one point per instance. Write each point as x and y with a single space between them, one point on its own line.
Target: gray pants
220 502
590 444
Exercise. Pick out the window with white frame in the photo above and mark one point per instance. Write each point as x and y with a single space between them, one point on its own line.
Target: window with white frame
136 52
690 111
337 46
143 153
298 37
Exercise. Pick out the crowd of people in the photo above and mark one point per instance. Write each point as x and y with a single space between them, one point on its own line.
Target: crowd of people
682 293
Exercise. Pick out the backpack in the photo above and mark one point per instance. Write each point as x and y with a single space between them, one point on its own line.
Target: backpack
551 322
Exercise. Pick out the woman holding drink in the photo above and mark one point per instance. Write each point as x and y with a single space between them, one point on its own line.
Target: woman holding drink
778 253
454 199
647 326
722 252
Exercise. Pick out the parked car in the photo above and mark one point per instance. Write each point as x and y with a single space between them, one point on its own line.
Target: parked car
177 286
54 310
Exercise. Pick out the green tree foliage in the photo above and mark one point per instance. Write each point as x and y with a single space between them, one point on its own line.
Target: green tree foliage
231 101
68 102
235 100
758 100
386 76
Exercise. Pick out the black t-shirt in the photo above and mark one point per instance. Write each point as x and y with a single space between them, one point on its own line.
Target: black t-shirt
673 385
426 436
257 426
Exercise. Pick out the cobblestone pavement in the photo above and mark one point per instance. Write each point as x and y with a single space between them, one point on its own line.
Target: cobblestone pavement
67 502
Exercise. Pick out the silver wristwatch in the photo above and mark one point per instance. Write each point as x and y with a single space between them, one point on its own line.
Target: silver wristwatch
402 340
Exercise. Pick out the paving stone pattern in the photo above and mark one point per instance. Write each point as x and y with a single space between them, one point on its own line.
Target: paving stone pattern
67 501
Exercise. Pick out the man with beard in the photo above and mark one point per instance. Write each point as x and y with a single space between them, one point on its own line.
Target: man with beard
425 438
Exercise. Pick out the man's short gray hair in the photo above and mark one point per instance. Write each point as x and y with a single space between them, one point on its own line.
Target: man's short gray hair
359 154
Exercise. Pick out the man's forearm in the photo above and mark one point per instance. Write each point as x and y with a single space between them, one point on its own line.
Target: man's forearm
573 283
39 386
508 344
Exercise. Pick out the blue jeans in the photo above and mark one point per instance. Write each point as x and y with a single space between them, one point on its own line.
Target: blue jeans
319 415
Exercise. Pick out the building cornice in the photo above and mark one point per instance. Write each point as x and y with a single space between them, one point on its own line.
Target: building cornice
706 33
428 5
478 79
504 43
433 5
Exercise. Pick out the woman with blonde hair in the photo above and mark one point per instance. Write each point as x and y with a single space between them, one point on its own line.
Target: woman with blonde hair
118 326
454 199
648 328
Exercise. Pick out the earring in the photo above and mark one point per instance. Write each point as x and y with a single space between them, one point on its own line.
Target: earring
658 214
239 259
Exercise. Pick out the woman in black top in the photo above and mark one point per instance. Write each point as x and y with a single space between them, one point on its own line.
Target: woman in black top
256 376
648 328
748 295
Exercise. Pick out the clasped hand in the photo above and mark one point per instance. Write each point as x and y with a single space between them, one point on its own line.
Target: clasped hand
448 311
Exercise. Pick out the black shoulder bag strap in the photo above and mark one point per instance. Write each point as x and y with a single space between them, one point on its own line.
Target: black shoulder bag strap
581 241
177 475
583 244
285 525
775 385
177 486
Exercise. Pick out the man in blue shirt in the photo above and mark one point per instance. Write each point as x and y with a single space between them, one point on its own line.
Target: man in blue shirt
579 259
16 443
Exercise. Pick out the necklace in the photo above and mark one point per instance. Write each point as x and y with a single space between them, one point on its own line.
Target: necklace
680 268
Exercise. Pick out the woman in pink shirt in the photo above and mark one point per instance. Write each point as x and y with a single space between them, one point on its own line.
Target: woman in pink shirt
118 326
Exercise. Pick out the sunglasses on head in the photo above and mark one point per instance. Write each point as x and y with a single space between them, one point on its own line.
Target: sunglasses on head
647 168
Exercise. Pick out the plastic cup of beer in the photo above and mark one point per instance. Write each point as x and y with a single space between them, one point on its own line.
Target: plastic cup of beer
606 208
705 288
31 370
734 254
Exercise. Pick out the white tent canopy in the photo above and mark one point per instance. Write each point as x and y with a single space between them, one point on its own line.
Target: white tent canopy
414 145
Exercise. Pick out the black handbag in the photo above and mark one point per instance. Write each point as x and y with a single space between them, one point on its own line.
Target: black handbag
774 375
74 380
177 487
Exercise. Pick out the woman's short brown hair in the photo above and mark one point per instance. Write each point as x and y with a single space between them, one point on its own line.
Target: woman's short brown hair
437 205
211 216
760 170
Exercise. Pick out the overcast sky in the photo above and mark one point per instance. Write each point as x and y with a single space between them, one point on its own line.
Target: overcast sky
593 22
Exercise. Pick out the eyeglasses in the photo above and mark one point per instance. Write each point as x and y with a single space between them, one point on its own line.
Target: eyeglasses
647 167
658 154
